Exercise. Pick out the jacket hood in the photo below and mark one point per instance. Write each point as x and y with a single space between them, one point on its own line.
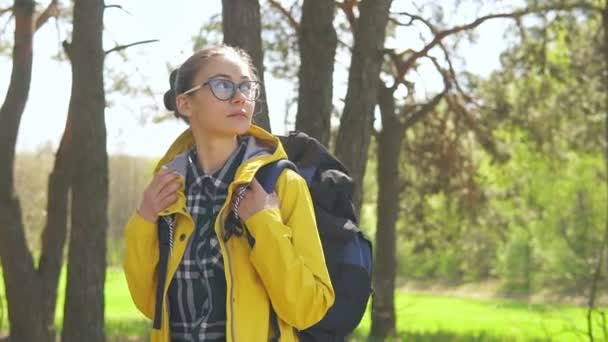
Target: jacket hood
259 143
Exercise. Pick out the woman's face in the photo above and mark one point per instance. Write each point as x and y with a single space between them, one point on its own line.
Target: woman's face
210 109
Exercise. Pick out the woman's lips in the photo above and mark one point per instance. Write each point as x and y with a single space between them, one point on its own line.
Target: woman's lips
239 114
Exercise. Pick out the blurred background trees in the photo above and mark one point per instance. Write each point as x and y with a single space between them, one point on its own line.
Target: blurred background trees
468 179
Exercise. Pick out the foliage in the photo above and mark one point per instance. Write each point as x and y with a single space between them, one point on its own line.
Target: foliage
554 214
420 317
532 221
551 85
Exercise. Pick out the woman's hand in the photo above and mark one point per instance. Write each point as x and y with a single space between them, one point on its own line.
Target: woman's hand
159 195
255 199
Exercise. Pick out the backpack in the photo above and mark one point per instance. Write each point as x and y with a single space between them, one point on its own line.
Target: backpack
348 252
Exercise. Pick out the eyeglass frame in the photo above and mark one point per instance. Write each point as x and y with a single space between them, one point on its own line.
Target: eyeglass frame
235 87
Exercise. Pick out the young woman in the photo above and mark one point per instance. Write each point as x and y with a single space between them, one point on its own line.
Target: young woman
225 282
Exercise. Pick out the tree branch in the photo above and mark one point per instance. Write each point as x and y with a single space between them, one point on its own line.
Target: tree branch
452 72
484 138
122 47
434 30
118 7
67 47
397 59
424 110
414 17
6 10
347 6
52 10
516 15
8 21
292 21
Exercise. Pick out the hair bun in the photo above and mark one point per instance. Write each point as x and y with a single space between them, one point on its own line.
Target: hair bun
169 99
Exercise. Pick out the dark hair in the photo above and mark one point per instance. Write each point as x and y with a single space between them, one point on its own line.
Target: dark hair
182 79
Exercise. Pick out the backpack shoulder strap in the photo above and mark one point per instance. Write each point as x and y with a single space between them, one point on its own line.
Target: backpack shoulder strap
268 174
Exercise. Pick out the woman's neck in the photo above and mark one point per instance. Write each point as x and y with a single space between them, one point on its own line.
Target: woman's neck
213 151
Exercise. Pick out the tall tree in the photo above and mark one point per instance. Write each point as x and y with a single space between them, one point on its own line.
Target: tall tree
31 292
601 255
362 94
318 40
385 266
242 27
84 306
395 121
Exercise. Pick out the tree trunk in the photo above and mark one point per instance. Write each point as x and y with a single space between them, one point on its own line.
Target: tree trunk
318 41
361 97
55 231
595 286
242 27
84 305
385 261
23 288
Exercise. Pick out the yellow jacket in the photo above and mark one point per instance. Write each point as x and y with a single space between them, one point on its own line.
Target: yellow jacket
286 267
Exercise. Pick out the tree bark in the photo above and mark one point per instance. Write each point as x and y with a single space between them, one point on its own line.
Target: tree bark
318 41
242 27
84 305
356 123
385 261
23 288
18 90
55 231
594 287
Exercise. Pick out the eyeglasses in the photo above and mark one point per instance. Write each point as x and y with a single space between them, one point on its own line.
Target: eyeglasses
224 89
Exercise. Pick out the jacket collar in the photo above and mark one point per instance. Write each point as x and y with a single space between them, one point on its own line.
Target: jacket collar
262 148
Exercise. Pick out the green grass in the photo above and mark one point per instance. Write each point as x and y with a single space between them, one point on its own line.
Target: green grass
123 320
420 317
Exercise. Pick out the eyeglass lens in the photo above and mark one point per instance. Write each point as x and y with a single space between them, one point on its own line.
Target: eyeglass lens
225 89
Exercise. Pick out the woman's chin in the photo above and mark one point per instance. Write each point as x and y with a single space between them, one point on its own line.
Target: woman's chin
242 128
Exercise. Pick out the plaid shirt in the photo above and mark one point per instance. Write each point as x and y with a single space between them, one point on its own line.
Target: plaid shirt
197 293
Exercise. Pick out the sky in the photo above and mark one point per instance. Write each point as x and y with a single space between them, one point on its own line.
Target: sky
128 119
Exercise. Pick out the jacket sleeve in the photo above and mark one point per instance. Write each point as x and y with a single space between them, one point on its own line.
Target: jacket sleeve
140 262
288 255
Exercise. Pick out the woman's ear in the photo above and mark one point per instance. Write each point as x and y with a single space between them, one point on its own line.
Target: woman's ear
183 105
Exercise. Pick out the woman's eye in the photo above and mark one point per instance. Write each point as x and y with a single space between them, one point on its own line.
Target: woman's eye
223 84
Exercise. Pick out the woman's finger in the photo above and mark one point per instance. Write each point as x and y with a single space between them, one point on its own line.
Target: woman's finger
166 201
168 189
161 181
255 186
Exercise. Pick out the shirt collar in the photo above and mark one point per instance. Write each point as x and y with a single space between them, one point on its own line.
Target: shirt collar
224 175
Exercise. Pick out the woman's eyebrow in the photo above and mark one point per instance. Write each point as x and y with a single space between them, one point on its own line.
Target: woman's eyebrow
244 77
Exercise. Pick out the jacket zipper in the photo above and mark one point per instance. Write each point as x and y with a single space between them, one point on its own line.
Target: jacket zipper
231 294
225 243
171 223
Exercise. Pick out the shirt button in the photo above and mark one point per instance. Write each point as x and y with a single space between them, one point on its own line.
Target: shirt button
182 237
